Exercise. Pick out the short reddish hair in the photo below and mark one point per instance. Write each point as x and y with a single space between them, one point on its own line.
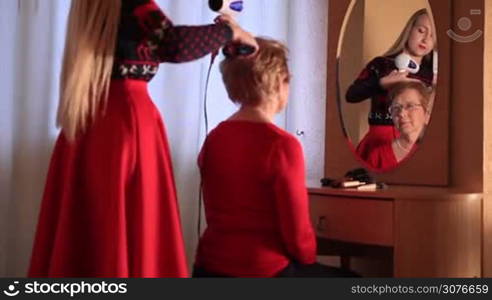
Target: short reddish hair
248 80
424 92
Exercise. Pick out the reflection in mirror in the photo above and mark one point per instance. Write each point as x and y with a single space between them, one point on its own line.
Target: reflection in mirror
387 68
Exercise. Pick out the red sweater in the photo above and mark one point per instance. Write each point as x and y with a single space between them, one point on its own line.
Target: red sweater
382 158
256 201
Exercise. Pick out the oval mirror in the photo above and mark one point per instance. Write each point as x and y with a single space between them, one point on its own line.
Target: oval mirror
386 69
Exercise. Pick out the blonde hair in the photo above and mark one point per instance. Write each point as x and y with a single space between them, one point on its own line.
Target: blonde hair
249 80
87 63
401 41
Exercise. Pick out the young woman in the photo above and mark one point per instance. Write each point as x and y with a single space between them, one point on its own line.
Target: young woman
416 40
253 176
410 114
109 207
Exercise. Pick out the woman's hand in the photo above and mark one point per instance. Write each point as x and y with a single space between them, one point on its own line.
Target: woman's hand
395 77
239 35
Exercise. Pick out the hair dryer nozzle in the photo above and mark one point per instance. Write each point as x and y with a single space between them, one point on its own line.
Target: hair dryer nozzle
234 49
405 63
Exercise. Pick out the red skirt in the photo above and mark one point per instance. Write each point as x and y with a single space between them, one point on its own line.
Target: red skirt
376 136
109 207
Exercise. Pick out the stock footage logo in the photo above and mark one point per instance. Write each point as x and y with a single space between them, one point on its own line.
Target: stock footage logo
63 287
11 290
465 24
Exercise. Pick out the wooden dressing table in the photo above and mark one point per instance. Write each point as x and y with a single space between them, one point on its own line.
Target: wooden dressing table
435 219
430 232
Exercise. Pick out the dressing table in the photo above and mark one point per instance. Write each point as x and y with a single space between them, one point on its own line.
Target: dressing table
430 232
435 217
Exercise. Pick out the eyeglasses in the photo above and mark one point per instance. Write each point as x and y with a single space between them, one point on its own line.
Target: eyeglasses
397 108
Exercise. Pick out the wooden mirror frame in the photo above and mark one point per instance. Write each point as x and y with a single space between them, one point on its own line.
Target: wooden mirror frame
430 164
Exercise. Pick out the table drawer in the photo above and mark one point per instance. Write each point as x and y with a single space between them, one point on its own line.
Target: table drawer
367 221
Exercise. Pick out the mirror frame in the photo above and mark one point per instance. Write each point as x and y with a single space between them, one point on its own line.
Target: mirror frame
430 164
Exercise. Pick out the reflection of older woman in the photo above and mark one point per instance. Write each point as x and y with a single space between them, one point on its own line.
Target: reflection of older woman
417 40
410 112
253 178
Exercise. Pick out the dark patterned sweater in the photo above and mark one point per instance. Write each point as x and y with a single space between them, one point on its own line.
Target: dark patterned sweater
146 37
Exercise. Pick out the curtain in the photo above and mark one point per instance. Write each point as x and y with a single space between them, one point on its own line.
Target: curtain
32 35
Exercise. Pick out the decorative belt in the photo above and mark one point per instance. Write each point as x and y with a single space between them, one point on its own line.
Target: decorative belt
134 71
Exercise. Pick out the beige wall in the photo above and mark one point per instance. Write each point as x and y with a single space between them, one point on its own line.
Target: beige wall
388 16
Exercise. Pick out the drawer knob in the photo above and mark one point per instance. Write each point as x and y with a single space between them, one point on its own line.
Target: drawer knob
321 224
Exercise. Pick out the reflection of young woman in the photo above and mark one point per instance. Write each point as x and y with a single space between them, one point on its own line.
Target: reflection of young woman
410 114
253 176
109 207
418 41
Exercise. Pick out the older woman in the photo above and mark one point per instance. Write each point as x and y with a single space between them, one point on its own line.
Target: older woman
410 109
253 177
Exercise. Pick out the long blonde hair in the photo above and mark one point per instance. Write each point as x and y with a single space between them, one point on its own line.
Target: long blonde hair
401 42
87 63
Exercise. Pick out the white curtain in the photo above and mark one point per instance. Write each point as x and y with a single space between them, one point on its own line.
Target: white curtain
32 37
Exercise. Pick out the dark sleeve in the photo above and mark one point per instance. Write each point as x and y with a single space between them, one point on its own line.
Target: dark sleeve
172 43
187 43
367 84
291 201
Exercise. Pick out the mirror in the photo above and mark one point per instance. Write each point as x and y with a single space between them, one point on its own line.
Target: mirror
386 76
